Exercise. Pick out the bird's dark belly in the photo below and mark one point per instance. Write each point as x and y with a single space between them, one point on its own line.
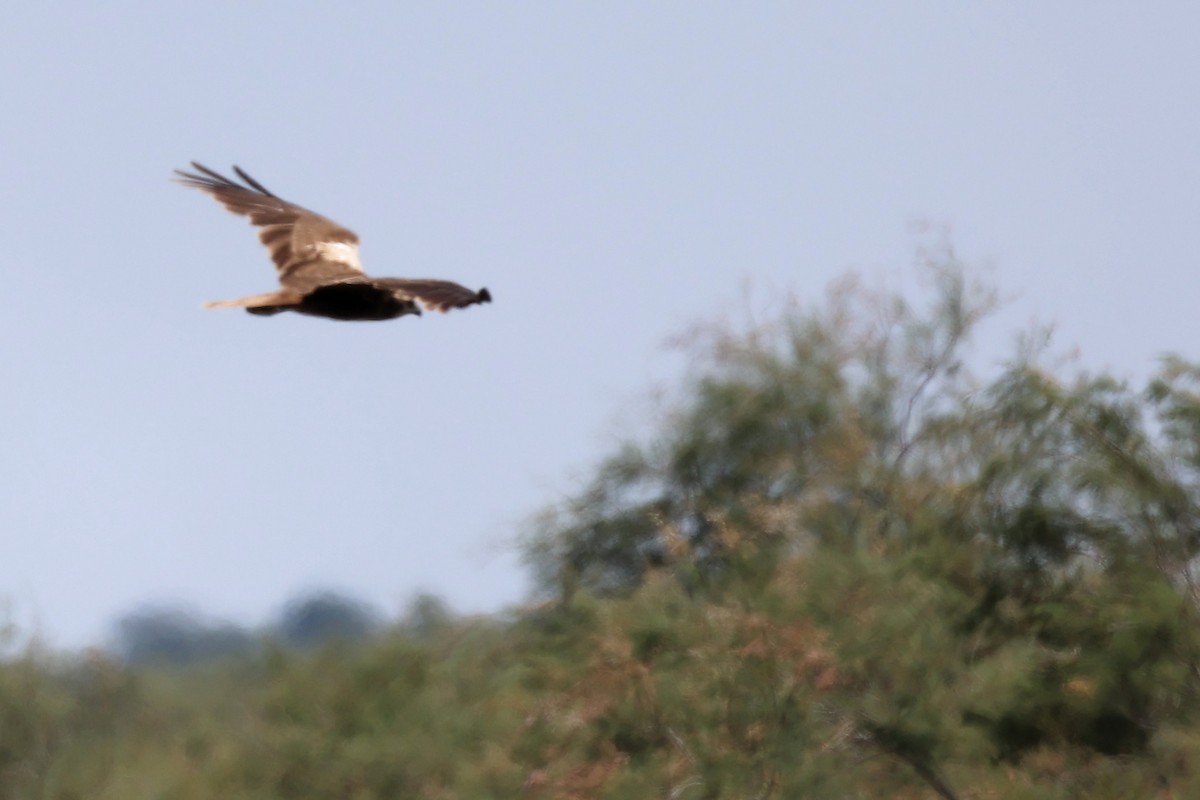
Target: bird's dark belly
353 301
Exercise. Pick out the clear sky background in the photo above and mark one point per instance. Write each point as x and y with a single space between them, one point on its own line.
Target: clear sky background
611 171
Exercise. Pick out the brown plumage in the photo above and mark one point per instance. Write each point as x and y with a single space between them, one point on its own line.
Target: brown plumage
317 260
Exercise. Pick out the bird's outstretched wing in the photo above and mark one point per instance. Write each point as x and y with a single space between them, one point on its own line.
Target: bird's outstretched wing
436 295
308 249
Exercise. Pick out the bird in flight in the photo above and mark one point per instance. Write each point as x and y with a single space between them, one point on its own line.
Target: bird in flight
317 260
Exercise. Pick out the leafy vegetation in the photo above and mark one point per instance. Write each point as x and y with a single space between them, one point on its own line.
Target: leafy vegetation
847 565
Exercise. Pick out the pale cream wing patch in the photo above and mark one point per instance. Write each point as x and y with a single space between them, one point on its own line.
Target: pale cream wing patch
342 252
315 262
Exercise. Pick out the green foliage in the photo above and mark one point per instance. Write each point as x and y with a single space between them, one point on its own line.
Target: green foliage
846 566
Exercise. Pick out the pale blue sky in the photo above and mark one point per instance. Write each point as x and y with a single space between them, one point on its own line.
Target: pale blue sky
611 171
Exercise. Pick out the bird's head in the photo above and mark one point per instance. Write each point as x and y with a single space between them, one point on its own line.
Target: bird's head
406 303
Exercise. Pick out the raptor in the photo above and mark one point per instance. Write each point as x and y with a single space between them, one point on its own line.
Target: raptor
317 260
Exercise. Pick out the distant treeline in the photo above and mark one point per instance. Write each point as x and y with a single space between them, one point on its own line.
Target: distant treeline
176 636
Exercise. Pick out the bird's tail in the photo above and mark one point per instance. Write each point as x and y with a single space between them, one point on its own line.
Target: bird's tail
269 303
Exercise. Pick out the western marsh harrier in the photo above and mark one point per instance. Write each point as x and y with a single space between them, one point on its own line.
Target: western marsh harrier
317 260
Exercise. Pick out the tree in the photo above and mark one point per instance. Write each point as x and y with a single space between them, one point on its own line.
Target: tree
999 567
176 636
788 434
320 617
